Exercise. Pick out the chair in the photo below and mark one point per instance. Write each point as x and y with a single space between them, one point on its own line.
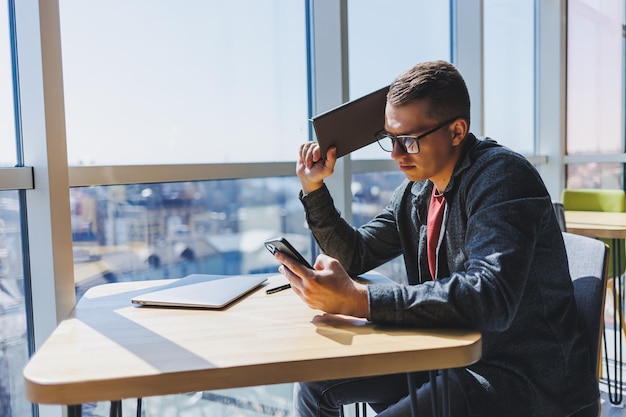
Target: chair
559 211
588 261
613 201
607 201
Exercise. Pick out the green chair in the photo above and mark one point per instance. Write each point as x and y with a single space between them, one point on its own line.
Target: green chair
613 201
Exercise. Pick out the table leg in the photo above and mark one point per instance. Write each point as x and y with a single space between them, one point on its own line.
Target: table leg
412 393
445 394
615 388
116 409
434 397
75 410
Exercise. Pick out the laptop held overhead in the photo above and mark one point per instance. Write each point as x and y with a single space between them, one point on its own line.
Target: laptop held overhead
202 291
353 124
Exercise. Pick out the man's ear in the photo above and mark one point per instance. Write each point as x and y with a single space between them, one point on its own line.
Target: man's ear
459 131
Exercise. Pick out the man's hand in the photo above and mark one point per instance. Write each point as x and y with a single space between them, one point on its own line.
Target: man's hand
326 287
311 168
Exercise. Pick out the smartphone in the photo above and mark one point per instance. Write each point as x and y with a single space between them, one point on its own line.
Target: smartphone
280 244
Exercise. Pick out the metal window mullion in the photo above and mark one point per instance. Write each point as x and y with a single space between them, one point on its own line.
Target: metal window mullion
551 84
329 72
466 27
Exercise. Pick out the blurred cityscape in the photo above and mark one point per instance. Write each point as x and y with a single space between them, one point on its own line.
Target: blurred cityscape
169 230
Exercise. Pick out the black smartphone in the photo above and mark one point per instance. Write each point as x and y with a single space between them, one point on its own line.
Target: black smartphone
282 245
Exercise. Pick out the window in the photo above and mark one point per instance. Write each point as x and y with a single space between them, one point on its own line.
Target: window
595 90
7 124
13 323
169 230
371 192
387 38
154 82
509 75
13 326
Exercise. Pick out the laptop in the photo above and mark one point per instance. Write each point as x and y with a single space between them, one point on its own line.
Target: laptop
353 124
202 291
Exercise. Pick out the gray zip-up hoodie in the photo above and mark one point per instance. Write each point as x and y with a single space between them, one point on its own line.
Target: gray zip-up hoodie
501 269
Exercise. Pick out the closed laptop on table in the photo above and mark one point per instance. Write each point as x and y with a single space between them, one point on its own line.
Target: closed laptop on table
202 291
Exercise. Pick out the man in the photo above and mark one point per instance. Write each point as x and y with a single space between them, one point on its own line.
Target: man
483 250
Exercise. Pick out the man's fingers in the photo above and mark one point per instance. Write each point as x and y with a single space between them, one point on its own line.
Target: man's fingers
294 266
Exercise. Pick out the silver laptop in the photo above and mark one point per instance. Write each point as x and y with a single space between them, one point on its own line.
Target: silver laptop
202 291
353 124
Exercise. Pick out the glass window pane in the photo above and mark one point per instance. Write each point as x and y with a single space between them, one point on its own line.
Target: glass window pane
595 76
169 230
371 192
377 55
8 156
263 401
509 55
13 333
151 82
156 231
595 175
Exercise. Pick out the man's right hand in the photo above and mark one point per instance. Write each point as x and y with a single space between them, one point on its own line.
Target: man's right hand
312 168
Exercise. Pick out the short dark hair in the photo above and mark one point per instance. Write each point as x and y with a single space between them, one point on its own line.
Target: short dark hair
439 83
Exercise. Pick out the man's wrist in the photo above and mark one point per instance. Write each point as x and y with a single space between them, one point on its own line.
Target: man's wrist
361 302
308 188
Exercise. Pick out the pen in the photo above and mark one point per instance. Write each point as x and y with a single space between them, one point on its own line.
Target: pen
277 289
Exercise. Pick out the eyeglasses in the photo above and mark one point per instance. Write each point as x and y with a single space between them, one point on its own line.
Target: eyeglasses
408 143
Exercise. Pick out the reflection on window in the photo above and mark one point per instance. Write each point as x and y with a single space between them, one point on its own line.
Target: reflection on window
176 83
595 77
371 192
595 175
13 336
377 55
509 55
169 230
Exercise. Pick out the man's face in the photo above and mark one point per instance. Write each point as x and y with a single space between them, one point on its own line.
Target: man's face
439 150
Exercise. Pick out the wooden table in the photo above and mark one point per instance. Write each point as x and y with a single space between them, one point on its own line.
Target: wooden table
596 224
107 349
607 226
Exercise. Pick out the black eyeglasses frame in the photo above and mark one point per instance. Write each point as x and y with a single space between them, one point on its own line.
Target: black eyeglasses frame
407 142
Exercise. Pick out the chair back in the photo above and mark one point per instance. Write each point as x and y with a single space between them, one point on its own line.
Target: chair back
588 261
559 212
588 265
613 201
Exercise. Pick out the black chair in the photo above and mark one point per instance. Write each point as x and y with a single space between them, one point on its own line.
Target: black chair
559 211
588 265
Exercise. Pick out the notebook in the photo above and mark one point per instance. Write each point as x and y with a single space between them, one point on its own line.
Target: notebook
202 291
351 125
